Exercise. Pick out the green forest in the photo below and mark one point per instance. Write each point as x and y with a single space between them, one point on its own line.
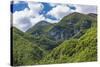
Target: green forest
73 39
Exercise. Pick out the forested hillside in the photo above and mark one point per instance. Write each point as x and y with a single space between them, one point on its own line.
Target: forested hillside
72 39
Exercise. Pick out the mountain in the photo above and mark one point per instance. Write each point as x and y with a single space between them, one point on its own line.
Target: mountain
68 27
74 25
75 50
39 28
72 39
71 25
39 32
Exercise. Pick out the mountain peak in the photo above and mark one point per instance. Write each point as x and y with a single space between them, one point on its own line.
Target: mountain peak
42 23
75 13
92 15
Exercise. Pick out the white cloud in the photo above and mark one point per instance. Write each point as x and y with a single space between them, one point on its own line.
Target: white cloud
59 11
21 19
15 2
53 4
86 9
26 18
51 21
36 7
37 19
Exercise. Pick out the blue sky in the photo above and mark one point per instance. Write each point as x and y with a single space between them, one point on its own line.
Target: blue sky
33 12
18 6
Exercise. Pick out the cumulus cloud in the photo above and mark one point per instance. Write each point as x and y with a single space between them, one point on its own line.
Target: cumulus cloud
51 21
37 19
15 2
24 24
53 4
86 9
59 11
36 7
21 19
26 18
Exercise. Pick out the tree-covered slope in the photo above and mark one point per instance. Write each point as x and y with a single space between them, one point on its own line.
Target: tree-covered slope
40 28
75 50
25 52
74 25
73 39
41 40
71 25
